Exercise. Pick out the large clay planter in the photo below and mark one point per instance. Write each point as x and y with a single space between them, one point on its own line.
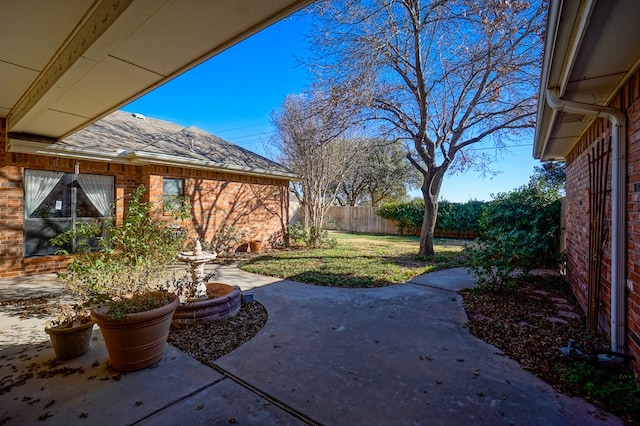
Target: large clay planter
70 342
224 302
137 340
255 246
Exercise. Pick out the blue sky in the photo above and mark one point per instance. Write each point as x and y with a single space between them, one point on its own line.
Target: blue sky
232 95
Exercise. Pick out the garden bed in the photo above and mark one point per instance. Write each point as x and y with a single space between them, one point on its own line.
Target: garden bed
530 321
209 340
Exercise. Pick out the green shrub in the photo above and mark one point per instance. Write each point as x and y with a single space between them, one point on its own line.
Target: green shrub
298 235
407 216
451 216
310 237
618 391
518 232
459 216
133 259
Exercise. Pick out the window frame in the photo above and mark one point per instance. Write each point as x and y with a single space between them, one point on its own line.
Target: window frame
170 200
38 230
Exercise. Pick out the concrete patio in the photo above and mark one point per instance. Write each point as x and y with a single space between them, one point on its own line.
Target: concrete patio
387 356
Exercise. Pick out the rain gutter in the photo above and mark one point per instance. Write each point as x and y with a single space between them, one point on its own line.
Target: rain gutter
618 205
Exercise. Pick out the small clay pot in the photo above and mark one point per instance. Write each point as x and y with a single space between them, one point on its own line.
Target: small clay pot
70 342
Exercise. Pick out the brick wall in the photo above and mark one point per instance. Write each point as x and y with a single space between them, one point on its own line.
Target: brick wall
11 212
630 97
256 205
577 218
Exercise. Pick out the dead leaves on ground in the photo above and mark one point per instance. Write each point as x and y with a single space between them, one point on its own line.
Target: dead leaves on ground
210 340
529 322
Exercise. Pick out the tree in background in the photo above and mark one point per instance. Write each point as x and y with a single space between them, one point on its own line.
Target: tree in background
310 136
442 74
551 175
382 174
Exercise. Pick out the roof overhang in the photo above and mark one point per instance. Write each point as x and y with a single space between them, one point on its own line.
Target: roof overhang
65 64
590 51
140 158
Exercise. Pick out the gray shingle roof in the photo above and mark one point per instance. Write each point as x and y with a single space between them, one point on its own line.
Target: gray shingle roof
144 140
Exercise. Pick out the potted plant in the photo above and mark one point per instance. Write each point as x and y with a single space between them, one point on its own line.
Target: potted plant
70 332
255 246
123 282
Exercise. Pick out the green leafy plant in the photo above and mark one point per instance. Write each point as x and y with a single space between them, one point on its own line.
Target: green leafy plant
617 390
298 234
459 216
132 262
407 216
519 232
311 237
451 216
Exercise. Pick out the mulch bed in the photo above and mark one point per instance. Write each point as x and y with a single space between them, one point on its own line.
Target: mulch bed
209 340
530 322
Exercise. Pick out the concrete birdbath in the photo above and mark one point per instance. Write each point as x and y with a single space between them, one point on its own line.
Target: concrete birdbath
196 260
204 301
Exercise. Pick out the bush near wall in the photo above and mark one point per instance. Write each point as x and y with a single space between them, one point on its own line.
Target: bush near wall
518 232
455 220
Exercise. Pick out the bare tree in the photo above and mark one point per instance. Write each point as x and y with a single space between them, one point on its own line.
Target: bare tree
442 74
310 130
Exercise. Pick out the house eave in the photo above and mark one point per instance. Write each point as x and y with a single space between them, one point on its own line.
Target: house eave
70 63
139 158
579 34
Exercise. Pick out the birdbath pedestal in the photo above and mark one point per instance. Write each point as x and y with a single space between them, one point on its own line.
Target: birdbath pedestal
196 260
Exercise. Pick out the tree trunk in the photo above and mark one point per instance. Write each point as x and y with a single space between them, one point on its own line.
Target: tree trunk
430 192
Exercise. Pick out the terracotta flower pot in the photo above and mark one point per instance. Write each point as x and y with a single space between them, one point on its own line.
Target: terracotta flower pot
255 246
137 340
70 342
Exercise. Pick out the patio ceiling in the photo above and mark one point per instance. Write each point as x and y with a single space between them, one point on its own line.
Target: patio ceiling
66 63
591 49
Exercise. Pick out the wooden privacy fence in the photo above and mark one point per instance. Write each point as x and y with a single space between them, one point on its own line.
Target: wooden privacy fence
360 219
365 219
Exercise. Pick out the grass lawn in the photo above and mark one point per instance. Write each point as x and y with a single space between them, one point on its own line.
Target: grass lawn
358 260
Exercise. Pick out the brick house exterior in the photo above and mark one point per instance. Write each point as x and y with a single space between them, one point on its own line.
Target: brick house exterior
227 185
578 217
589 117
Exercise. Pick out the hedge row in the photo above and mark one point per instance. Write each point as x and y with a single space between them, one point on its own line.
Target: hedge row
454 219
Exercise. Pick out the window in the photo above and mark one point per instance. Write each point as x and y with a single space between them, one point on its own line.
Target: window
55 202
172 192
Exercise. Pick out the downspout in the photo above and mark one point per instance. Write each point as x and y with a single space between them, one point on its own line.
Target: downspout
618 205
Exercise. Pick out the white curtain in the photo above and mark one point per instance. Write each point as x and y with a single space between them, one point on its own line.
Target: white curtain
37 185
99 190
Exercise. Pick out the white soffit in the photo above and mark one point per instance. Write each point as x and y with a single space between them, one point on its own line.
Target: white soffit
67 63
606 53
